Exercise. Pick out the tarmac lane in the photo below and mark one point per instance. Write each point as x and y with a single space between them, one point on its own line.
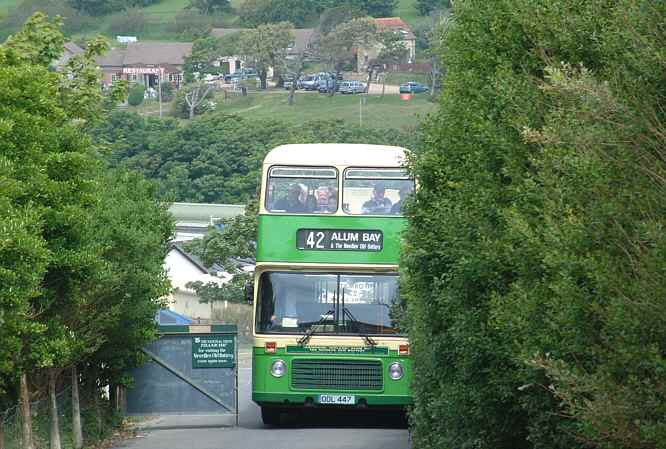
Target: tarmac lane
312 430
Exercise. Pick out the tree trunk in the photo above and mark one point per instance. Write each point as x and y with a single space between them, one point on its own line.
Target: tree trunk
383 85
2 430
77 432
292 93
26 417
53 409
262 77
191 112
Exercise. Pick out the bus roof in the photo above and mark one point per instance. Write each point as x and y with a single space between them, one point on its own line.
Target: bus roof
338 154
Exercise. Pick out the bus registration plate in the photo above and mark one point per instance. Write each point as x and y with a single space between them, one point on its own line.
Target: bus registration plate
337 399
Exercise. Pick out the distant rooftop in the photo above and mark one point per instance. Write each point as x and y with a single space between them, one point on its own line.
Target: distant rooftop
204 214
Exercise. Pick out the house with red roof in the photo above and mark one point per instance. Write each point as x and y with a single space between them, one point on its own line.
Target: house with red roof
365 55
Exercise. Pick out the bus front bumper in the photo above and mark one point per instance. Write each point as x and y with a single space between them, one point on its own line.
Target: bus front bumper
311 399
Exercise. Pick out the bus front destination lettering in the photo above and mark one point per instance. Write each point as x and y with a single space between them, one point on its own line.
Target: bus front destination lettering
339 240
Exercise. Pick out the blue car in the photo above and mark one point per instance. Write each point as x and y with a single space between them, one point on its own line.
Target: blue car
412 87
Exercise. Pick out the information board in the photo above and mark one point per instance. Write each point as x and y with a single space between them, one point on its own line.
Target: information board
213 351
339 240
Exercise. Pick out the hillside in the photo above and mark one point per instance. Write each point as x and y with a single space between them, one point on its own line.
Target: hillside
166 20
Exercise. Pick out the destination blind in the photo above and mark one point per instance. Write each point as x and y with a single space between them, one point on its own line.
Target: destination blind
339 240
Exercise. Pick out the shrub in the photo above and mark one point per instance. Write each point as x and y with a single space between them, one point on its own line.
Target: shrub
136 94
167 91
535 262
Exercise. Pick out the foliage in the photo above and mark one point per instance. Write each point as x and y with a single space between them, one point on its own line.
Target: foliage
206 51
190 24
425 7
534 259
101 7
74 21
375 8
136 94
193 99
336 47
216 158
237 240
131 21
253 13
63 205
266 46
168 92
393 49
208 7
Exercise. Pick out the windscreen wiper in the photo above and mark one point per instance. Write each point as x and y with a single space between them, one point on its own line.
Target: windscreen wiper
345 312
311 330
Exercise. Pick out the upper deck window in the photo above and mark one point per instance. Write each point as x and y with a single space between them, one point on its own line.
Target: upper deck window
302 190
375 191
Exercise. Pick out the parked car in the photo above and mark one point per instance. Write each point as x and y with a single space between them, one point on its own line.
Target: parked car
327 84
412 87
309 82
352 87
241 74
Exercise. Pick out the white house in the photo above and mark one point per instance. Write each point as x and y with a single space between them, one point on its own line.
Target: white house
193 221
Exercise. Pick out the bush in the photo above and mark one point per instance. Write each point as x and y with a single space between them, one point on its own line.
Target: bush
167 91
74 20
136 93
535 262
182 110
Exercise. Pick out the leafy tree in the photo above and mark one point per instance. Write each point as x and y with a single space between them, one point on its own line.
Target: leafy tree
237 240
534 261
258 12
336 46
375 8
101 7
425 7
216 158
392 51
208 7
54 173
266 47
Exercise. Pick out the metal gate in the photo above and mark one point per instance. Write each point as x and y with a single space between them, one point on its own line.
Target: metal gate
190 378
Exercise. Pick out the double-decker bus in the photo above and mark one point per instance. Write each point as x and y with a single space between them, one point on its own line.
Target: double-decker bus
326 299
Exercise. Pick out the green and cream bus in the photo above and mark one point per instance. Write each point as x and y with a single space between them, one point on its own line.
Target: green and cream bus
326 299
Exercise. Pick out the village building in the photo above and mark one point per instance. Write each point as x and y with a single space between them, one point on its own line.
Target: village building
366 55
70 49
146 63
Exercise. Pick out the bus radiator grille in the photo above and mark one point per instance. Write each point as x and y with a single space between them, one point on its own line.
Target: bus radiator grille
314 374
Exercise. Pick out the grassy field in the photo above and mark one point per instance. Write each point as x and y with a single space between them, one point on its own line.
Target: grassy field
387 112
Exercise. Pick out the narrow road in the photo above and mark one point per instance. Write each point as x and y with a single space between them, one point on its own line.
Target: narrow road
313 431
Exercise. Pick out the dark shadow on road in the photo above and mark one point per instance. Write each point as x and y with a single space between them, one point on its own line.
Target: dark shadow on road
318 418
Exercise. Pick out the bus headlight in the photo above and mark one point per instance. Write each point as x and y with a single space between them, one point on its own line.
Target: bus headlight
278 368
395 371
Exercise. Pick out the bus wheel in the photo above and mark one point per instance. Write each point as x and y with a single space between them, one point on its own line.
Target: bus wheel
270 416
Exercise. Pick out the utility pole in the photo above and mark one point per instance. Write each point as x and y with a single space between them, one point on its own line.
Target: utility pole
360 110
159 89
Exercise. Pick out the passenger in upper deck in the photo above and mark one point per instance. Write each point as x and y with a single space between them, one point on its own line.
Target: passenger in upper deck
378 204
404 192
295 201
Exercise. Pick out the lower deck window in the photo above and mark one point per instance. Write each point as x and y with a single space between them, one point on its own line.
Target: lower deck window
328 303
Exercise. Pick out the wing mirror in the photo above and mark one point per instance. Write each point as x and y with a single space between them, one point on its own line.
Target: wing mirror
249 292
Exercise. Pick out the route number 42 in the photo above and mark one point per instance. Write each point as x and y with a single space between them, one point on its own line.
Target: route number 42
314 240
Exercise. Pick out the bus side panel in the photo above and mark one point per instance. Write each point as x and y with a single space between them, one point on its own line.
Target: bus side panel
284 248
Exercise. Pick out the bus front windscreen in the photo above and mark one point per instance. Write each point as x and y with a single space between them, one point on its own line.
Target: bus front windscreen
328 303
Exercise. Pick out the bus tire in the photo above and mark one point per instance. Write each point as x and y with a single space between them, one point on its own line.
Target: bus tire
270 416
